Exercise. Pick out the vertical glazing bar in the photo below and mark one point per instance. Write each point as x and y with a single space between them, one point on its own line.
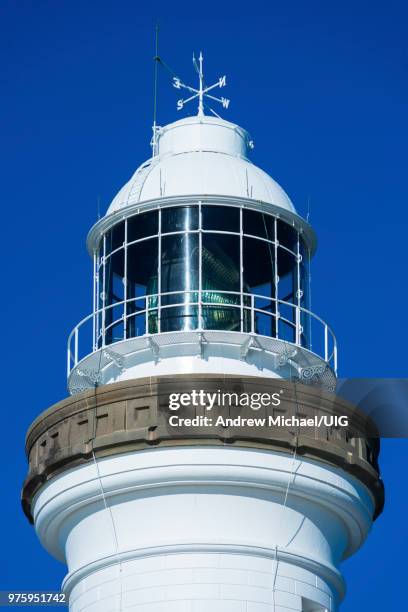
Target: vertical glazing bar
125 281
200 269
159 265
104 290
241 266
276 279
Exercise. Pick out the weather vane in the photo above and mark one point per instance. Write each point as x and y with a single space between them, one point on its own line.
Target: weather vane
203 90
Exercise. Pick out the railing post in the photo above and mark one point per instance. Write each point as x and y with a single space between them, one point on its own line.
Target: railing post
104 300
94 304
94 331
335 357
76 347
69 358
103 323
326 344
297 317
241 269
252 314
276 276
146 315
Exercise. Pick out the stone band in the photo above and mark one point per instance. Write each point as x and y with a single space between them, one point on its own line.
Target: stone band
133 415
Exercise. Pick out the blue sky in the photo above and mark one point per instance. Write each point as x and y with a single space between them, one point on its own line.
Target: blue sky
322 88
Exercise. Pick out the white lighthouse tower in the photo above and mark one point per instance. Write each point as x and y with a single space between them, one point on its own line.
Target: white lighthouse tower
200 281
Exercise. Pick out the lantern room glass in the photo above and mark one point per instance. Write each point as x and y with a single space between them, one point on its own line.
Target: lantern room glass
201 267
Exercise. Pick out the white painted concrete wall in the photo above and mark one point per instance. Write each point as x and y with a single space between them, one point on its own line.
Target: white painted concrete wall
196 528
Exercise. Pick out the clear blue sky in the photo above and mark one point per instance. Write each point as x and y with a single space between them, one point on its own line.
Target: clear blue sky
322 88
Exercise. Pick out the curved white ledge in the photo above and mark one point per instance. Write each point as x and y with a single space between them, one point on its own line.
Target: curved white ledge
206 352
327 572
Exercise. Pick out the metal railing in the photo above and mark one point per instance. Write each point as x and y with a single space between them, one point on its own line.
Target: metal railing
205 310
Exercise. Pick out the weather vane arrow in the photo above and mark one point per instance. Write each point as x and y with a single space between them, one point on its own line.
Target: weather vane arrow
203 90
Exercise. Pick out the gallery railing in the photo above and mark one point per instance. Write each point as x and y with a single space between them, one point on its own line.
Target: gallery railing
205 310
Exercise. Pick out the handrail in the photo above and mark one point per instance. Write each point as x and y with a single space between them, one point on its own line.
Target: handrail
246 302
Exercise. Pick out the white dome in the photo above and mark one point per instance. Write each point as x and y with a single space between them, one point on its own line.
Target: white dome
201 156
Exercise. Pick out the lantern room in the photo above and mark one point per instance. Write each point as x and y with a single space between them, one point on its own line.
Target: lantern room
200 247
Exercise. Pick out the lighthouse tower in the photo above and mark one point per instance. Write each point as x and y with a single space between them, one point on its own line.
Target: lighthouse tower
200 283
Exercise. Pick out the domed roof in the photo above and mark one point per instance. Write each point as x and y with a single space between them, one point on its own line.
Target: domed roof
201 156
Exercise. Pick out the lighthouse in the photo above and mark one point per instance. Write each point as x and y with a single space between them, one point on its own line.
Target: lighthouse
201 294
